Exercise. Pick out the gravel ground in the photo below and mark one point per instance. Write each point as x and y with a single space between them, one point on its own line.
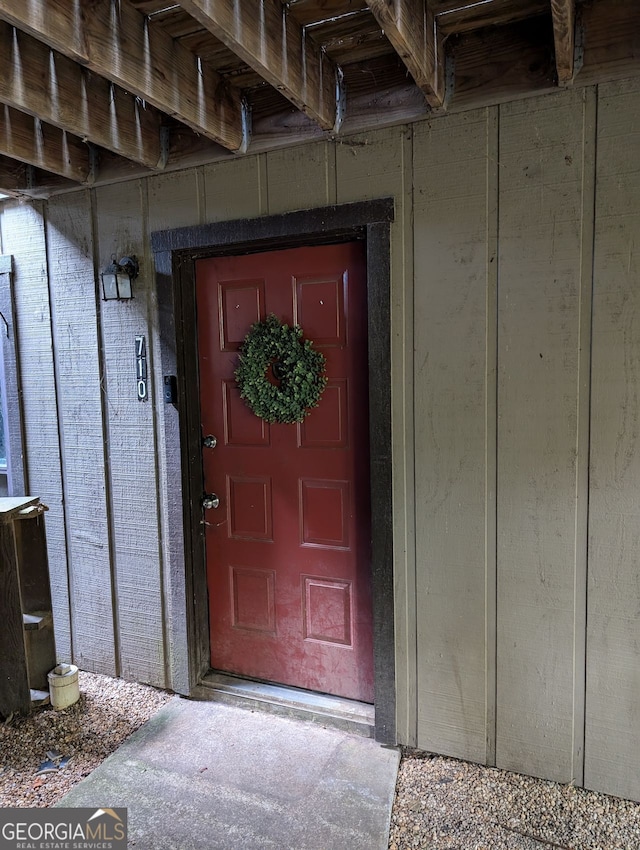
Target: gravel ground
444 803
108 711
440 803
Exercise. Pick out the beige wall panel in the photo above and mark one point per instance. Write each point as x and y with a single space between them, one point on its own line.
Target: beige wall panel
612 741
235 189
121 224
376 165
541 149
79 400
23 236
450 215
175 199
301 177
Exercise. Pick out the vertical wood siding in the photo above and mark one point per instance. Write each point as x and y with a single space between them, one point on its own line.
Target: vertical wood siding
138 591
450 296
173 200
538 383
72 288
23 236
516 459
613 636
368 167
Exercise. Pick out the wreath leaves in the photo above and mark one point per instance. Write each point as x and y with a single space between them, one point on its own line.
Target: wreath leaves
300 372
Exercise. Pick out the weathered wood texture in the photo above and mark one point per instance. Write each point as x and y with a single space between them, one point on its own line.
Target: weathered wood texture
23 229
173 200
120 45
450 291
59 91
366 167
14 680
613 646
271 41
306 172
499 400
541 172
564 16
411 29
249 197
33 142
82 438
129 424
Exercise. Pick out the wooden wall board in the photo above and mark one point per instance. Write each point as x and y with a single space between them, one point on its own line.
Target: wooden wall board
612 738
173 200
121 227
23 229
301 177
451 205
370 166
72 286
540 252
583 427
236 189
491 430
491 266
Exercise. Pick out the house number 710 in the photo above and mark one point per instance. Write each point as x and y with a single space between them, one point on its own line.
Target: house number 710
141 368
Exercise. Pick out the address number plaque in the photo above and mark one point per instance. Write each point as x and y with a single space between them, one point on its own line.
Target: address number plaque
141 368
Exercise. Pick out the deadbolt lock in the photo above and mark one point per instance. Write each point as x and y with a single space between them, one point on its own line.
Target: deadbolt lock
210 500
209 442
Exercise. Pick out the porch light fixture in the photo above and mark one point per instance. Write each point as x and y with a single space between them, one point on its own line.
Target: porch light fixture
117 278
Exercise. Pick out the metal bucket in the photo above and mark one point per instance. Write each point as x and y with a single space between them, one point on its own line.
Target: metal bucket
63 685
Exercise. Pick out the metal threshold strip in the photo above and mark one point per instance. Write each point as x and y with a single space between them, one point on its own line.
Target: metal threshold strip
323 709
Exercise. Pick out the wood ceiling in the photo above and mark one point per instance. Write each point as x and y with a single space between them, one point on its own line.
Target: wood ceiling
93 91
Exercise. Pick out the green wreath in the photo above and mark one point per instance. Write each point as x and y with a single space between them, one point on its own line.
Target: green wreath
297 368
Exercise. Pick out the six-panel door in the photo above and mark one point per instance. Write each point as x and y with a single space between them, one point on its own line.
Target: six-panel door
288 547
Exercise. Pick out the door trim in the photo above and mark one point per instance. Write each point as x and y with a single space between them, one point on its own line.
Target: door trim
175 252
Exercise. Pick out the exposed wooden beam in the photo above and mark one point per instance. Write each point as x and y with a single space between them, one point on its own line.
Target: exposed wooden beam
611 41
457 17
502 65
18 179
411 27
29 140
270 41
117 42
493 65
13 176
563 13
46 84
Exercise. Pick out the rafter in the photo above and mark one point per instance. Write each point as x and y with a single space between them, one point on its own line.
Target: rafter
563 15
13 176
454 16
117 42
411 28
29 140
17 179
42 82
271 42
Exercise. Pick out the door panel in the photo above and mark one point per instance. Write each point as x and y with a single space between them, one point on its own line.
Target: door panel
288 548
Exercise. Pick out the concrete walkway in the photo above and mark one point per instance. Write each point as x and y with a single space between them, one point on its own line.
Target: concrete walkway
203 775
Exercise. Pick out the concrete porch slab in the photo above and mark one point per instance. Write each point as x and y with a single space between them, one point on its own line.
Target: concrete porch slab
204 775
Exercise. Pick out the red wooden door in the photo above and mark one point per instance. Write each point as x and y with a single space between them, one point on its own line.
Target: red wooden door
288 548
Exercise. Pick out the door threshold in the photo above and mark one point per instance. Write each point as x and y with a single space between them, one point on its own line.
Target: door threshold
348 715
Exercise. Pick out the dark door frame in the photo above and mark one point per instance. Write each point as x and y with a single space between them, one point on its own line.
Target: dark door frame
175 253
